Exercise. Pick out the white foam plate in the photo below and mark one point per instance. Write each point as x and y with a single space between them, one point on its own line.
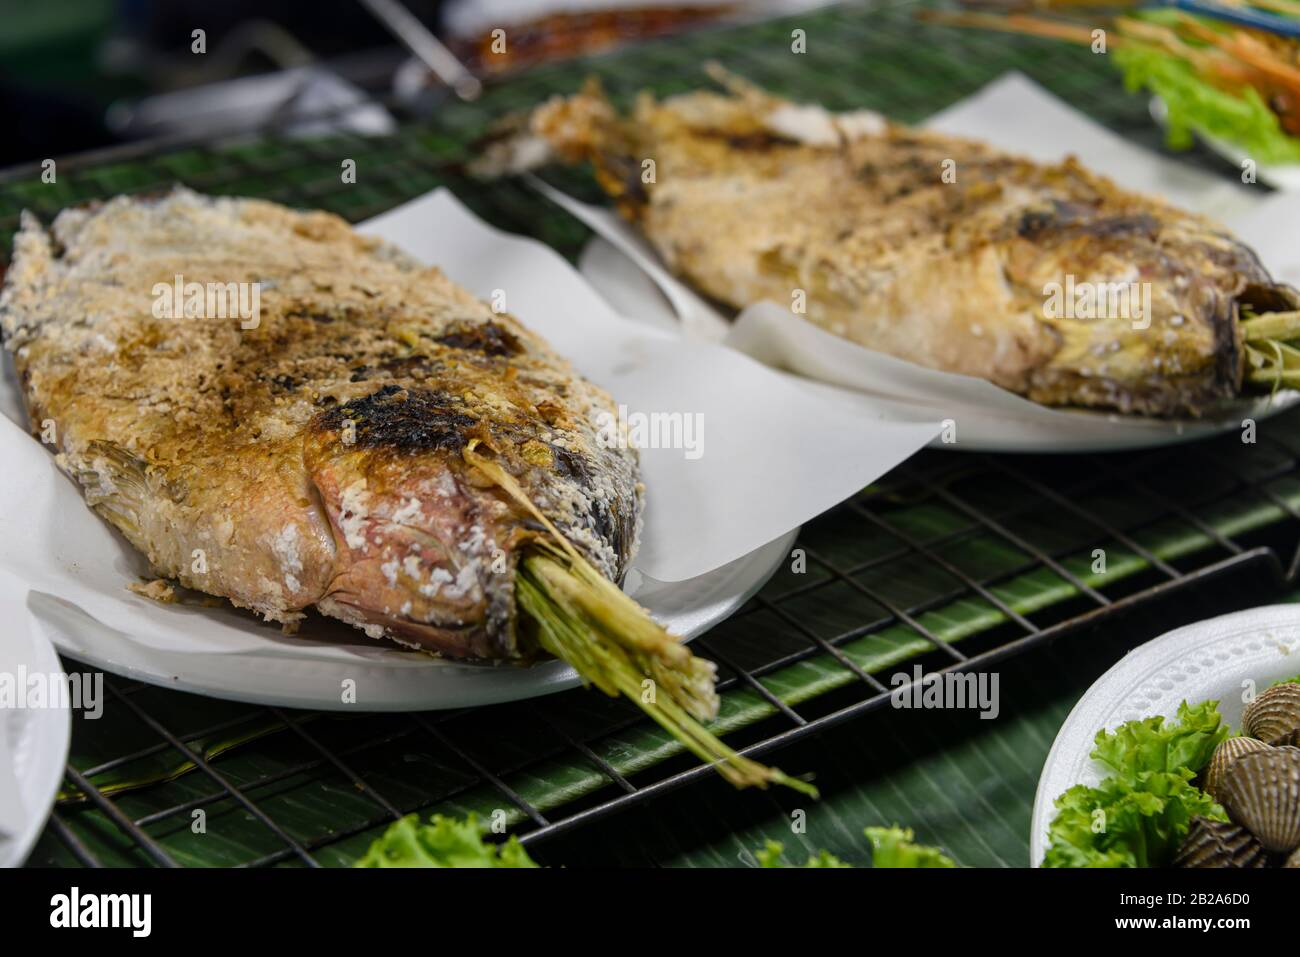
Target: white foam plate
1212 659
319 668
33 741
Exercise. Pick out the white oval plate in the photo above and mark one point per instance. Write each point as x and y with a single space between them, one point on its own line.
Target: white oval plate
311 673
1207 660
33 741
1066 431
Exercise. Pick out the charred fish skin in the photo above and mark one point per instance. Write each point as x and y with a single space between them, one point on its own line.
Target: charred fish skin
938 250
316 457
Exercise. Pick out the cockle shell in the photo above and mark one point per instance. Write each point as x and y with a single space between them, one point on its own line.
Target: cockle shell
1228 751
1274 716
1294 859
1219 844
1261 792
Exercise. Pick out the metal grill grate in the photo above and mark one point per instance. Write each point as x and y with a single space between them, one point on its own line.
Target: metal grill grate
935 513
953 563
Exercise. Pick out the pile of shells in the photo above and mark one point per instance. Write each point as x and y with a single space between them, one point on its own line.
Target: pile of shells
1256 778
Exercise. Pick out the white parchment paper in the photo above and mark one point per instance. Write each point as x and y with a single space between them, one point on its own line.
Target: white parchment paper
773 453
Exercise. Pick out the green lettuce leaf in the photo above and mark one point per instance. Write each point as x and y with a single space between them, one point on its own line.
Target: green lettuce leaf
1139 815
444 842
1197 107
1123 824
1153 744
773 855
893 847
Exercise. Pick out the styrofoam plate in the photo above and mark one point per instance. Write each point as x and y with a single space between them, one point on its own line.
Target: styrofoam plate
34 735
1220 658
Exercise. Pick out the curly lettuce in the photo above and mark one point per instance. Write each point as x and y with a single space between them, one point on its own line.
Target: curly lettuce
773 855
1152 744
443 842
1196 106
893 847
890 847
1140 813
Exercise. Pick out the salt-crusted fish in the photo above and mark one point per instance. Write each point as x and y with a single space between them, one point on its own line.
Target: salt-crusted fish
369 440
1045 279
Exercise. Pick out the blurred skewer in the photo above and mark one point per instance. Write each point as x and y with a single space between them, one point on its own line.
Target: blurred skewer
417 38
1235 12
1010 23
1239 16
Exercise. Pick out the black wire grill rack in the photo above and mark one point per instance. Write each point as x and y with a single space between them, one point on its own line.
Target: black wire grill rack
953 563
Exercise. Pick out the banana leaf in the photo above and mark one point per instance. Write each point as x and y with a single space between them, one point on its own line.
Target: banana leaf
857 56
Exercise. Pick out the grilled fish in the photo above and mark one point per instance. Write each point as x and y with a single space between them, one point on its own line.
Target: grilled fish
316 459
1046 280
355 434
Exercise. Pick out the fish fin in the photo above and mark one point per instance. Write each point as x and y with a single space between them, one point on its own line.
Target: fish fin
115 484
740 87
564 129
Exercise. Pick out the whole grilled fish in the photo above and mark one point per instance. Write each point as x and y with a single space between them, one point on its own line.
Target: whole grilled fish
279 411
314 456
1044 279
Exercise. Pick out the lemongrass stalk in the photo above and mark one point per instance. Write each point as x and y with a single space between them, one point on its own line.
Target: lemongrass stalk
548 591
580 616
1276 326
1272 364
1276 378
1011 23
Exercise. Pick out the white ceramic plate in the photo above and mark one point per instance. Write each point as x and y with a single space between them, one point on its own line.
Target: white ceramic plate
309 671
1211 659
313 670
33 741
635 294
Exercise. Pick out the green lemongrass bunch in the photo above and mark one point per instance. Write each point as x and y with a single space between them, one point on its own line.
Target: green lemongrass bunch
571 594
583 618
578 615
1272 348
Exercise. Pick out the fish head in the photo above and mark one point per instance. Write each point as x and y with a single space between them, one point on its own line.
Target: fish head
1145 304
426 549
427 543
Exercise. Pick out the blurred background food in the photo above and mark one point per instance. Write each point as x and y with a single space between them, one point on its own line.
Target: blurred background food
80 74
1227 69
